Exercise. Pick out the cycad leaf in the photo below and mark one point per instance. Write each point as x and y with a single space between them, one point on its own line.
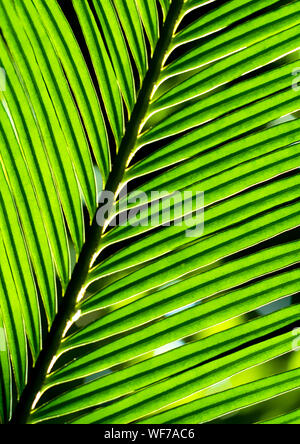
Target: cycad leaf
159 321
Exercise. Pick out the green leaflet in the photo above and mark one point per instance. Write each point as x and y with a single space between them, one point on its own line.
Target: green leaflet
228 183
217 218
152 398
221 103
28 131
237 39
291 418
75 67
51 131
14 243
117 49
228 69
5 376
149 16
218 160
29 213
131 23
220 18
156 335
13 322
62 99
143 311
150 371
220 131
206 167
165 5
104 69
189 4
238 398
224 190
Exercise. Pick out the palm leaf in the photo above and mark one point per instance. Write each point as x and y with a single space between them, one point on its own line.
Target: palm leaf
137 322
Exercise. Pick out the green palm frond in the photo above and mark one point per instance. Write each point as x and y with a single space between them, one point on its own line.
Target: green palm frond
133 322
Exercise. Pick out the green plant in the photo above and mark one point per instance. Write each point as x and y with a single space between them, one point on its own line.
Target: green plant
135 323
